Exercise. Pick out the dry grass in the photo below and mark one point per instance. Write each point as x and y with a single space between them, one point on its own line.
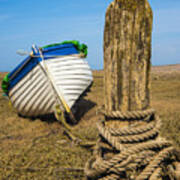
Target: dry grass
38 149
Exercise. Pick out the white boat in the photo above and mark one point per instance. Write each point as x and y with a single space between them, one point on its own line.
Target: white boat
50 76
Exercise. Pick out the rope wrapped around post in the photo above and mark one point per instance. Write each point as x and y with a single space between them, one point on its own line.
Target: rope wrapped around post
138 152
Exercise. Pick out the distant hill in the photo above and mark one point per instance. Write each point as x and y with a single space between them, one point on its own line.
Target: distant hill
166 68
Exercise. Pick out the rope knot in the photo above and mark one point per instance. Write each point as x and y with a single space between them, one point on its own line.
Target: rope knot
137 150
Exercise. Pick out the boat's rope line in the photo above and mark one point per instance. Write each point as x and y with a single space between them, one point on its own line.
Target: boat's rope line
135 152
59 114
60 97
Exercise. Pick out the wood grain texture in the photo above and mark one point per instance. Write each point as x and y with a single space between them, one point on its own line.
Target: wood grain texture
127 54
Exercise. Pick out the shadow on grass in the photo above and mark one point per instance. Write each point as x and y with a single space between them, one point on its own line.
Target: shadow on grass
81 107
48 118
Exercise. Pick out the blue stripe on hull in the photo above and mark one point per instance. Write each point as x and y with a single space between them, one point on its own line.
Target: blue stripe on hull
30 63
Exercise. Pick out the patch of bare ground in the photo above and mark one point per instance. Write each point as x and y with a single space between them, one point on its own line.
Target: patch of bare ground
38 149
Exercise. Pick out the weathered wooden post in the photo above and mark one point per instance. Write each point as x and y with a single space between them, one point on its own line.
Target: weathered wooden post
127 52
129 145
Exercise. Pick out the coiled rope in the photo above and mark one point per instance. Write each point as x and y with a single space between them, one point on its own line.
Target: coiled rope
138 152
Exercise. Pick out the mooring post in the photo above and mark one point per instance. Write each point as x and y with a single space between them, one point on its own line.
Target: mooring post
129 145
127 53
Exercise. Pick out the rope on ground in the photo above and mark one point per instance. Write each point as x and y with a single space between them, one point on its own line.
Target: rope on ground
137 152
59 114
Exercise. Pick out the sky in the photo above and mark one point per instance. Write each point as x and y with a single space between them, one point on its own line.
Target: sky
27 22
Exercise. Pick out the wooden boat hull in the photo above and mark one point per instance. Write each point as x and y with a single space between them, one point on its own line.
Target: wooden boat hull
35 94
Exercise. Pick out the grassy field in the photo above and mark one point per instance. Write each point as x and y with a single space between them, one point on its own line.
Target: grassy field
38 148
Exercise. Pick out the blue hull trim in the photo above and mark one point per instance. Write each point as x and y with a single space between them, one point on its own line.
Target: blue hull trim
30 63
